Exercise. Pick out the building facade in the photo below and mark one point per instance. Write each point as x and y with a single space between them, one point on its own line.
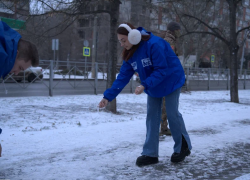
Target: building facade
14 13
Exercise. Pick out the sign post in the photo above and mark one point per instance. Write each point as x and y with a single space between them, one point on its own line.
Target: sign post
212 59
86 44
55 47
14 23
86 53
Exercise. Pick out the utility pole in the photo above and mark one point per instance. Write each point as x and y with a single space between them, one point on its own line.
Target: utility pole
94 48
243 51
197 48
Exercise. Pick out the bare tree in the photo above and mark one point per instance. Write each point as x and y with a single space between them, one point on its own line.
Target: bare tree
114 16
113 12
206 18
71 10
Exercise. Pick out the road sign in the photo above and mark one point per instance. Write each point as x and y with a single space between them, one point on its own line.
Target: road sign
55 44
86 43
86 51
212 58
14 23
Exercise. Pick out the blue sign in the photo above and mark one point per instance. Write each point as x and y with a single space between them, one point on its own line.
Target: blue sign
86 51
212 58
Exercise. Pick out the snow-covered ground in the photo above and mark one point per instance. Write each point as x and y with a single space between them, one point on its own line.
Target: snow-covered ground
244 177
68 137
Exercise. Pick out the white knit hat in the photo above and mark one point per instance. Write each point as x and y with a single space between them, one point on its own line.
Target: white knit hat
134 36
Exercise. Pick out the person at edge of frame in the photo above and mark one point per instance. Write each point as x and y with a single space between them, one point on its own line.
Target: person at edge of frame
16 54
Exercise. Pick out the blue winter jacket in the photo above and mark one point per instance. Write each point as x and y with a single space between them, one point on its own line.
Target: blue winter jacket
159 69
9 39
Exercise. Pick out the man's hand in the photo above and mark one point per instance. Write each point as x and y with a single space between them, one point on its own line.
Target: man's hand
139 89
103 103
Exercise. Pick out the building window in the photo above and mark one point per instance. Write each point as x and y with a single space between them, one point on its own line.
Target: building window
246 2
23 2
245 24
144 10
142 21
8 4
248 10
163 27
81 34
247 17
92 7
240 23
83 22
99 21
100 7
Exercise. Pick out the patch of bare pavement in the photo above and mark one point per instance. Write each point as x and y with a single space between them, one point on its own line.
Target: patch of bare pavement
221 164
227 163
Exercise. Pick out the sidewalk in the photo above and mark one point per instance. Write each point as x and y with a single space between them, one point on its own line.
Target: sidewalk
67 137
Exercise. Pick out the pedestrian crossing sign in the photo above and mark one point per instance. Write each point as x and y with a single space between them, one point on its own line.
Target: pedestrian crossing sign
86 51
212 58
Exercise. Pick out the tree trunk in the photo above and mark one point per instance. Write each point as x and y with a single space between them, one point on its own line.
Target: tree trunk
233 47
112 61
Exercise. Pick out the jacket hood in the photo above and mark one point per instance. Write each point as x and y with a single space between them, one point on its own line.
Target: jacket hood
9 39
143 31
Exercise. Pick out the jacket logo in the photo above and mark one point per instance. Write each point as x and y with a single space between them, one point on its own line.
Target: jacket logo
146 62
134 65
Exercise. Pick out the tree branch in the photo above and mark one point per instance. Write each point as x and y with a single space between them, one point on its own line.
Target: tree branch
210 33
248 27
70 9
216 34
54 27
74 14
183 24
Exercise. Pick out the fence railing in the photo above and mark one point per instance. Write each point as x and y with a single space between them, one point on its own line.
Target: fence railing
211 78
87 78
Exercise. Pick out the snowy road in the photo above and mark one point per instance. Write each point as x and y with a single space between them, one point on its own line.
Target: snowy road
66 137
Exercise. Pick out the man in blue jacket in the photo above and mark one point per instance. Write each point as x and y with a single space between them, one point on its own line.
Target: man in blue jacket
161 75
16 54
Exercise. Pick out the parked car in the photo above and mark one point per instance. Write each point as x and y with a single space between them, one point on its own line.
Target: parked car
29 74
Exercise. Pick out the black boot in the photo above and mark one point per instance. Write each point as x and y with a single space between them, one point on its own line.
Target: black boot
178 157
146 160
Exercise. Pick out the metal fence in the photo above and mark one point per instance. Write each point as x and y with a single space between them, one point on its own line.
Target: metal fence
62 78
86 78
214 79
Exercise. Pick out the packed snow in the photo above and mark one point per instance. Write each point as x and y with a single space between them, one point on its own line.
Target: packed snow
69 137
245 177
